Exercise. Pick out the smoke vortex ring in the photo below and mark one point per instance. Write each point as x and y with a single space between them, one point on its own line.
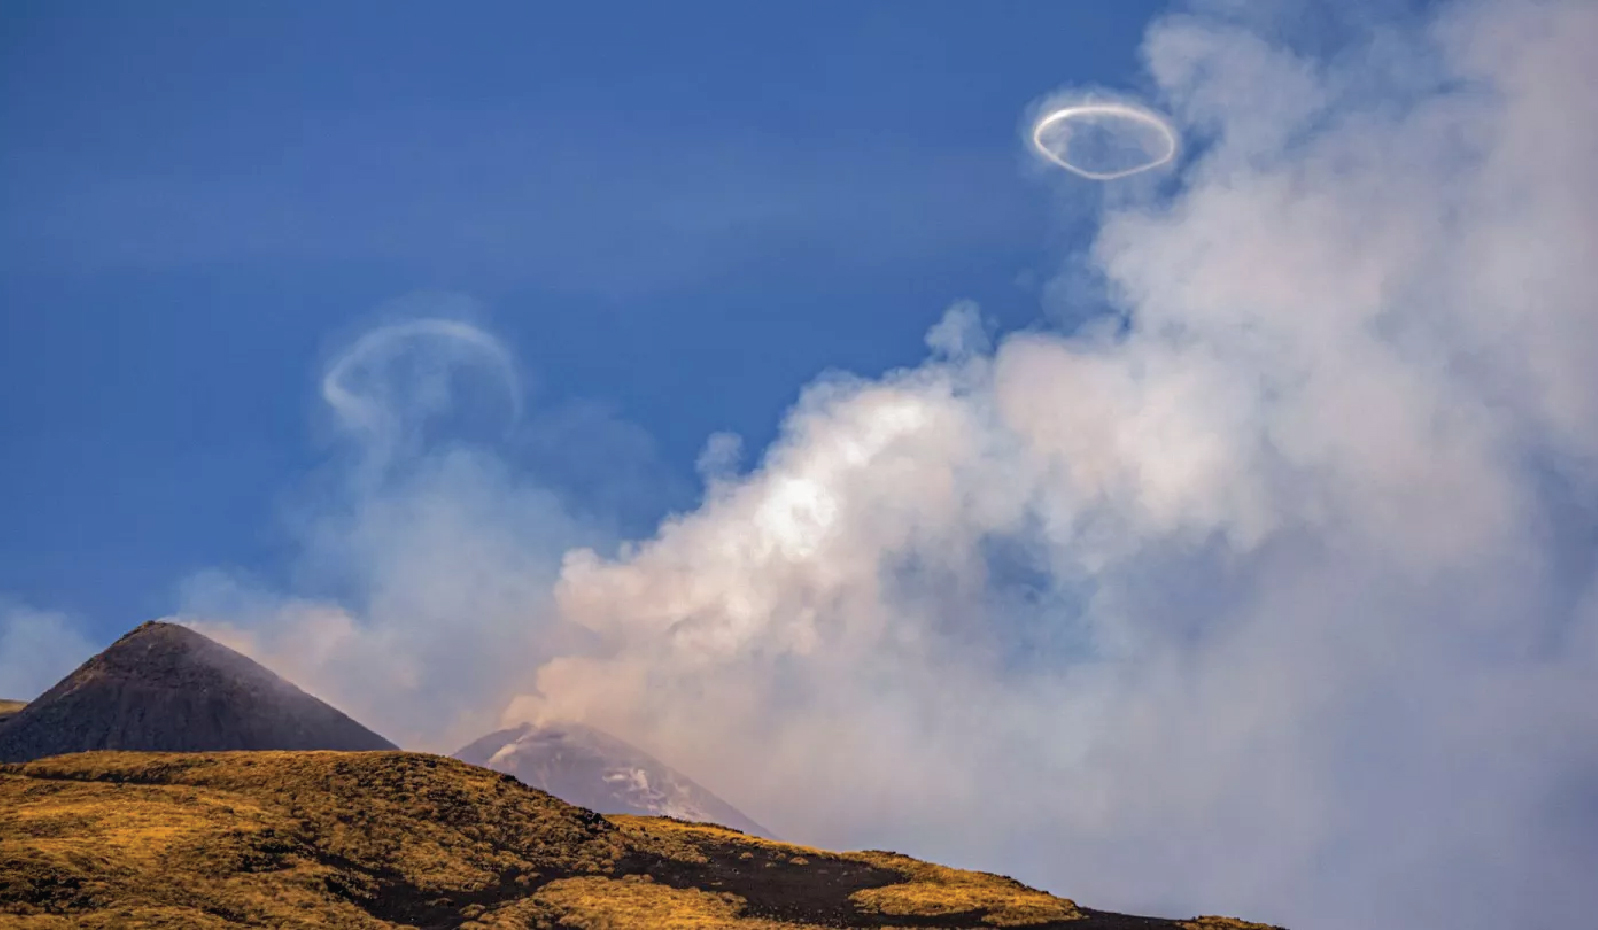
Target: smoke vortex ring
1127 111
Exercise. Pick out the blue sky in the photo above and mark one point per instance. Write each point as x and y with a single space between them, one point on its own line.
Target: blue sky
680 214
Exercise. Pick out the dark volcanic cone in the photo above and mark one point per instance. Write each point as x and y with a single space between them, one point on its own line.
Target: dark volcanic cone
582 766
166 688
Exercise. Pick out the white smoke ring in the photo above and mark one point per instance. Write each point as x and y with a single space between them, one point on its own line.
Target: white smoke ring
1118 110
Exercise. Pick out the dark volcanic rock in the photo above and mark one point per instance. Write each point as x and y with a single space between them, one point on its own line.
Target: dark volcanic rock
166 688
582 766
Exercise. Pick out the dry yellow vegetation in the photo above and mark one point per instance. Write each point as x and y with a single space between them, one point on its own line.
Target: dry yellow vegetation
391 839
935 890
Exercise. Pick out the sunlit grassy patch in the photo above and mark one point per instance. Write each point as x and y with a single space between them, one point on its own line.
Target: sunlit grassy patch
681 839
932 890
276 839
129 822
595 903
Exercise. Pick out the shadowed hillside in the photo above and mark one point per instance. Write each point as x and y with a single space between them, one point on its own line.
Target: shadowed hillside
372 840
166 688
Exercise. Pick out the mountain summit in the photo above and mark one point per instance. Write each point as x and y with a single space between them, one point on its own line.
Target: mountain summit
165 688
588 768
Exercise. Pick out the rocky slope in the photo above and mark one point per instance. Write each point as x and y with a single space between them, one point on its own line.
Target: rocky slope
390 840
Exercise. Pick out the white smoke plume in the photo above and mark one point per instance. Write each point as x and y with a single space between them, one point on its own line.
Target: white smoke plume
1278 600
1281 602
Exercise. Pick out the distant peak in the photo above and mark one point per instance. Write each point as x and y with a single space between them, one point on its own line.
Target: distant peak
586 766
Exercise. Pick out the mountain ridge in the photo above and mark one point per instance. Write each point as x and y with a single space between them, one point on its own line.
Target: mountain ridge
388 840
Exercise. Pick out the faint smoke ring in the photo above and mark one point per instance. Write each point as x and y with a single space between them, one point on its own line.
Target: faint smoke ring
403 372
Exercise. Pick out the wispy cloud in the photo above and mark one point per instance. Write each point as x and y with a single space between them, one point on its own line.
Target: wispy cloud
37 648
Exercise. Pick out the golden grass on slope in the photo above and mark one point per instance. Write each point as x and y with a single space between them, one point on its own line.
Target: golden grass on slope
277 839
11 707
388 840
1213 922
934 889
596 903
927 890
132 824
142 855
684 840
425 816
